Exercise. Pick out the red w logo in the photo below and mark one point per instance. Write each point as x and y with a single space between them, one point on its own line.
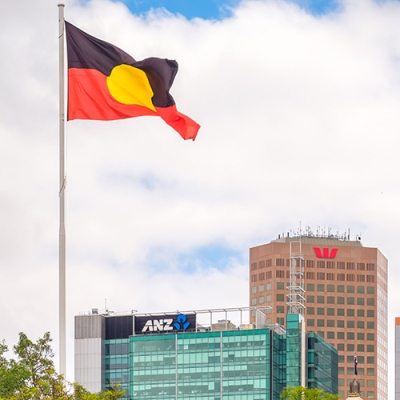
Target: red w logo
325 252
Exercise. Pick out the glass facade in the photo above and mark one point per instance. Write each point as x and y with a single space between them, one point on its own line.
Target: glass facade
238 364
206 365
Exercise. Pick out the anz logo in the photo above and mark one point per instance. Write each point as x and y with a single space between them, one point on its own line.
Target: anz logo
166 324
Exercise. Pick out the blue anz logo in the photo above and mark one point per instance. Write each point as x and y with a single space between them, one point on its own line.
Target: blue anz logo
181 322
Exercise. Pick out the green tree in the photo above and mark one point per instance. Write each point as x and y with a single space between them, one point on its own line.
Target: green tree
303 393
32 376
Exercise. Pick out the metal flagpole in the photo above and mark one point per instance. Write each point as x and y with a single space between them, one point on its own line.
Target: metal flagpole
61 259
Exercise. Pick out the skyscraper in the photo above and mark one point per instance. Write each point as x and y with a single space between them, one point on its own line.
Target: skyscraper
340 287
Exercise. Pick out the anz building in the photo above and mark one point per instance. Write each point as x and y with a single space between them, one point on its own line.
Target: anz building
202 355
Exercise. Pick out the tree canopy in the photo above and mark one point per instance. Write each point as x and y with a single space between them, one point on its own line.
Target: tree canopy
303 393
32 375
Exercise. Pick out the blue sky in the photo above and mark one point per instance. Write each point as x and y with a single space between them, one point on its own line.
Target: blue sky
216 9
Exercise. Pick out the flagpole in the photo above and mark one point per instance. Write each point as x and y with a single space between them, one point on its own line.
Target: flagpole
61 253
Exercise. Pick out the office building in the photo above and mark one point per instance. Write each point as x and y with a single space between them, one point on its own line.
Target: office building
202 355
340 287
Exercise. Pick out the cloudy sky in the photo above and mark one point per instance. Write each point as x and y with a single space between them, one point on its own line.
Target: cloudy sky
299 107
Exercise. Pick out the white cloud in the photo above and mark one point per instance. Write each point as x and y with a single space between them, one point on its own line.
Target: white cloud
300 122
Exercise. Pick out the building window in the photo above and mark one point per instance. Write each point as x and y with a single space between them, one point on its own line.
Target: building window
350 347
350 336
279 274
360 278
330 323
320 288
360 347
370 395
310 310
371 371
320 322
350 265
360 289
340 311
280 262
370 336
330 277
322 334
320 311
310 287
360 324
371 302
310 275
350 324
330 335
370 278
370 360
330 300
280 297
280 285
370 325
370 348
350 300
268 298
350 312
280 309
340 300
261 300
340 288
340 323
280 321
310 263
360 336
340 265
310 322
261 264
261 288
320 299
360 266
371 267
330 264
310 299
370 313
254 301
350 277
269 263
360 313
340 277
330 311
340 358
268 286
261 276
330 288
320 264
254 289
360 301
340 347
350 289
370 382
340 335
321 276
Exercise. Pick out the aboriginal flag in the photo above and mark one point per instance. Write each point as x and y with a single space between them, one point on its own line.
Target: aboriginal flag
105 83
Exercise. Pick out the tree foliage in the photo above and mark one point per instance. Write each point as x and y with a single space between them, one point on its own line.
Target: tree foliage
32 375
303 393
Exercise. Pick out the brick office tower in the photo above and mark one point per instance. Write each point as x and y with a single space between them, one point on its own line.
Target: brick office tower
340 287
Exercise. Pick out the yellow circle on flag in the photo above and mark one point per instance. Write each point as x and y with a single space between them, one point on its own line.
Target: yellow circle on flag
130 85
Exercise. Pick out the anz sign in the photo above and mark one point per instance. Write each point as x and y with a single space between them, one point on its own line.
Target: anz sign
165 323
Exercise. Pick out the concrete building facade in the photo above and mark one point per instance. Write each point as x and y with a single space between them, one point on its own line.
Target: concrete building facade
340 287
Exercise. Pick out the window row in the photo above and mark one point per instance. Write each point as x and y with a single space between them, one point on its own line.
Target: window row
340 323
360 360
282 262
311 287
360 301
262 276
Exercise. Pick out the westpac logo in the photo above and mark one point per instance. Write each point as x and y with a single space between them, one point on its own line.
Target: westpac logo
166 324
325 253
